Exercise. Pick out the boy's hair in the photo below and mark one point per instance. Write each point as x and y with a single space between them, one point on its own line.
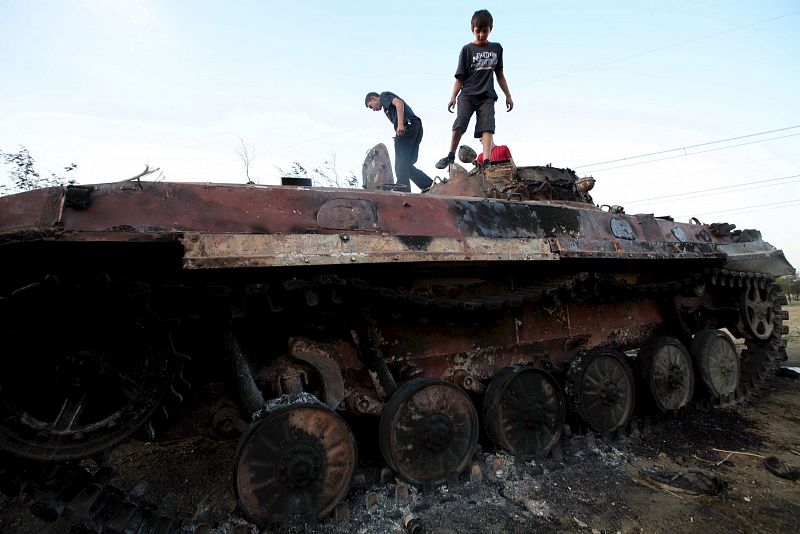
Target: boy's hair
482 19
369 96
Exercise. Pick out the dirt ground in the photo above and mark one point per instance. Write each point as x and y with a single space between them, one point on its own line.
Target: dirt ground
598 487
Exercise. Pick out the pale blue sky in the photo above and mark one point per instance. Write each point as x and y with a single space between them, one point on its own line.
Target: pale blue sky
114 85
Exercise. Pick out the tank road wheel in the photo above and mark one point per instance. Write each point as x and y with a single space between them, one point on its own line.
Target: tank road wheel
717 362
757 311
297 461
78 382
428 429
604 390
523 411
669 374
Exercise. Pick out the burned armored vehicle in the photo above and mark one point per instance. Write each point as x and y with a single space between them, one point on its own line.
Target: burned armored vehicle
502 300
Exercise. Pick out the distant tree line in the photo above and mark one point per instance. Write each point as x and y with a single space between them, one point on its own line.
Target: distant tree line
23 174
790 286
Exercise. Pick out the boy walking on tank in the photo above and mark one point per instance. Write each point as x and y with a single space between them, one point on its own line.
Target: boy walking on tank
408 130
478 63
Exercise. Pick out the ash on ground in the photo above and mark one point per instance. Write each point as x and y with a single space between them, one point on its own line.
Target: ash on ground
589 485
498 493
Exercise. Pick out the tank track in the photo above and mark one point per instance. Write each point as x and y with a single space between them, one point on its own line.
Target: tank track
760 358
87 499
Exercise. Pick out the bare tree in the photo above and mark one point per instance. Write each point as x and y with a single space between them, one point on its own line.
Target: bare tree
246 154
25 177
323 175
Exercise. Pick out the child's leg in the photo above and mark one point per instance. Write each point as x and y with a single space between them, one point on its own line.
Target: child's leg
484 127
454 140
486 141
451 156
402 162
414 134
464 112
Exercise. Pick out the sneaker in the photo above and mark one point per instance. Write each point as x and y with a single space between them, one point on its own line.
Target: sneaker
445 161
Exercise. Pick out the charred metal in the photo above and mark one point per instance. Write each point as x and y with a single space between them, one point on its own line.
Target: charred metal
287 317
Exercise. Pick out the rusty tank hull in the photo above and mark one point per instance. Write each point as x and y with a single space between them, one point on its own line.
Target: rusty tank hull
293 314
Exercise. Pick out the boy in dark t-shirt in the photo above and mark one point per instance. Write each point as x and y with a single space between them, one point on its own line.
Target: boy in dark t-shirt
408 128
478 63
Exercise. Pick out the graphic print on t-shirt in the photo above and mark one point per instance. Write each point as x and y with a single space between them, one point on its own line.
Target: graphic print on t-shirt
484 60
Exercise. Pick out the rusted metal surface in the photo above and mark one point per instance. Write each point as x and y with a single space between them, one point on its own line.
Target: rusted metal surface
348 214
245 383
717 362
509 284
508 182
669 373
208 251
163 207
428 430
325 366
30 215
259 226
529 332
462 183
361 401
604 389
381 304
623 249
466 381
296 461
524 411
755 257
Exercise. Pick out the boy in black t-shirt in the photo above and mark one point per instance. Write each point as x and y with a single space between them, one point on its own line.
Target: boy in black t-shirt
474 87
408 130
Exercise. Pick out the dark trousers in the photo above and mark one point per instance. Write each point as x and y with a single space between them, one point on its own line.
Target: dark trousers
406 152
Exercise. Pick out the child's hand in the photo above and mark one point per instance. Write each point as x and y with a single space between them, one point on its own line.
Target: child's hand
509 104
451 105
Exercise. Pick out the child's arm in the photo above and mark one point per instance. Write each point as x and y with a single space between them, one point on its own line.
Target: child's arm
501 81
456 89
400 106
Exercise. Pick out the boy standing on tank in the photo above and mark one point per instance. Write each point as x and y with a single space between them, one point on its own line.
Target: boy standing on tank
408 130
478 63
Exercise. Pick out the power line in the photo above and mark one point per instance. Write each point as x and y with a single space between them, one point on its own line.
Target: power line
684 148
759 187
654 50
738 166
776 206
753 210
581 69
783 203
694 153
691 193
747 210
